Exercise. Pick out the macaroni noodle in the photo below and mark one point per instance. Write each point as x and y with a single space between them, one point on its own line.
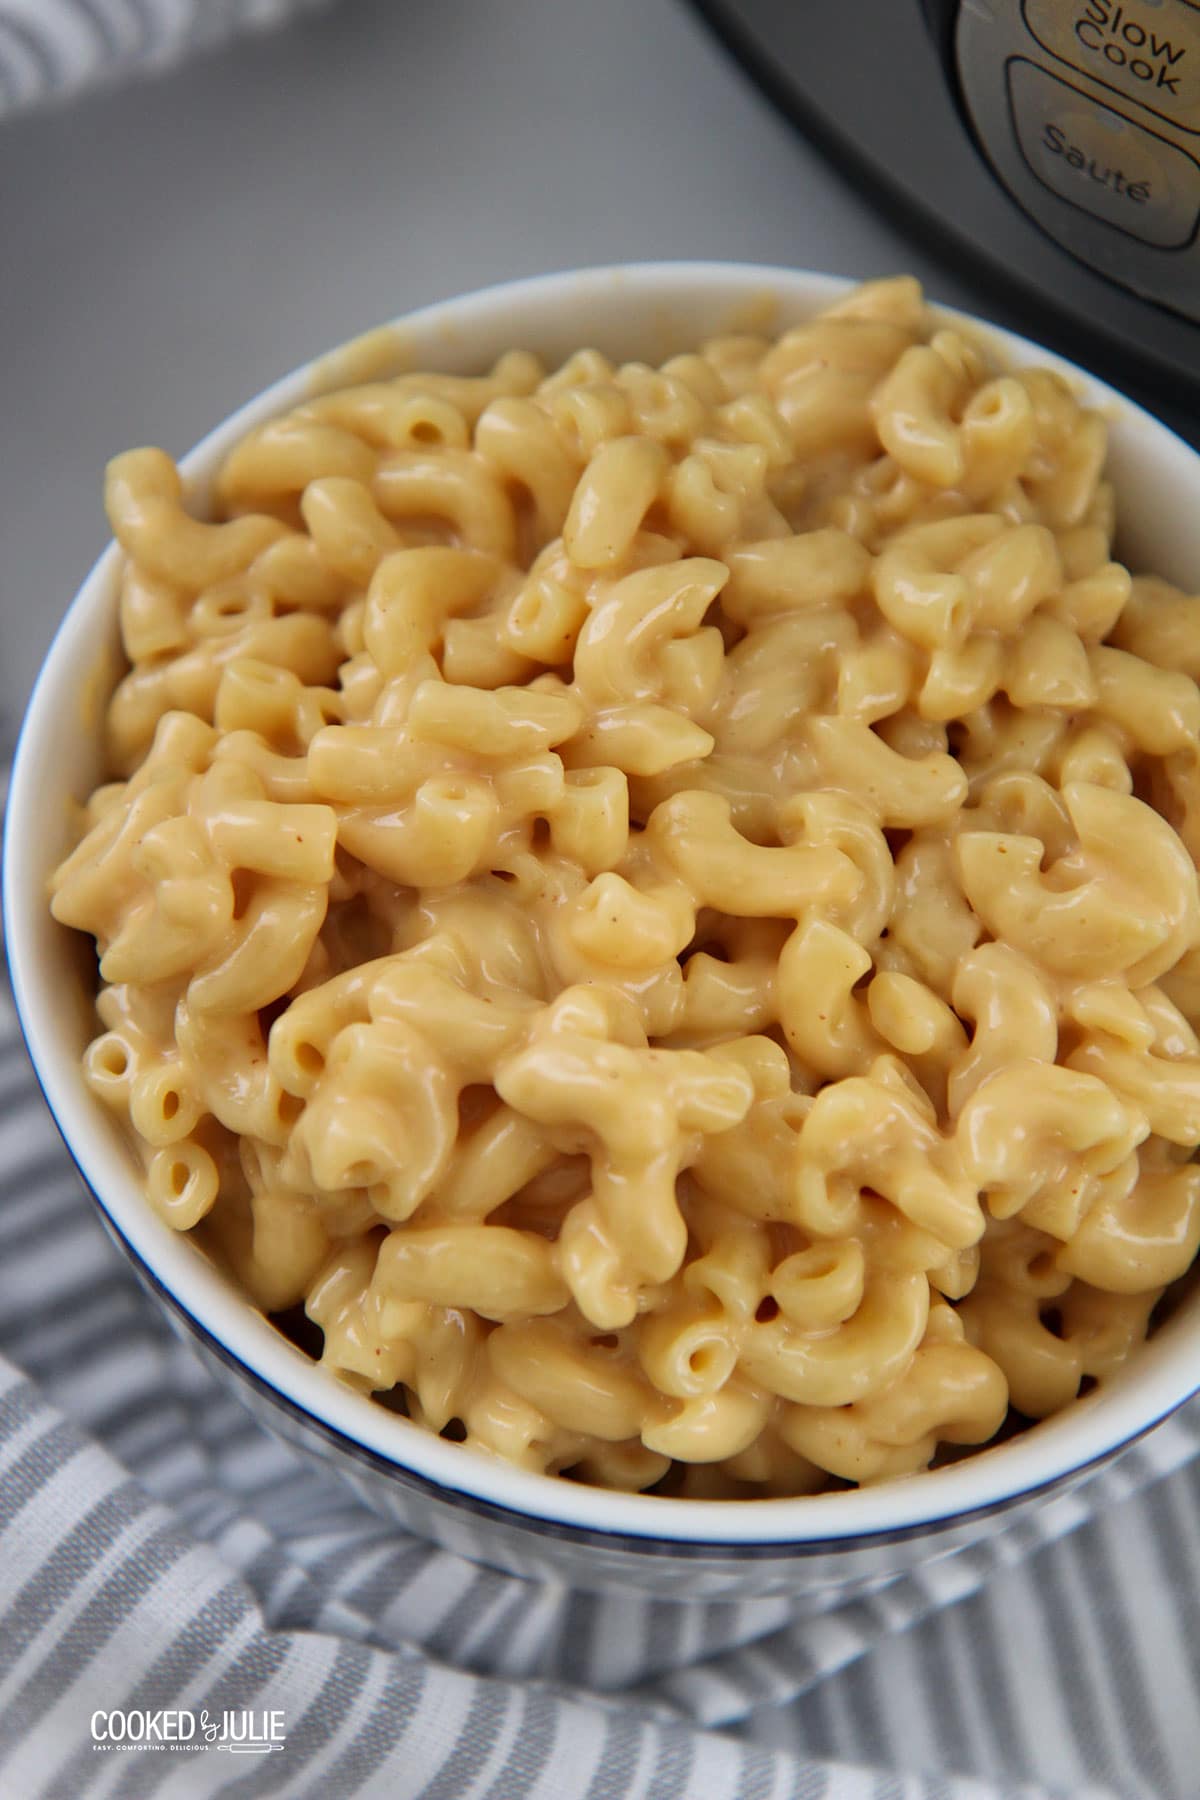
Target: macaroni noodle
660 906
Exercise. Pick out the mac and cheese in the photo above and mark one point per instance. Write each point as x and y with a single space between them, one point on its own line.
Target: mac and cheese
660 905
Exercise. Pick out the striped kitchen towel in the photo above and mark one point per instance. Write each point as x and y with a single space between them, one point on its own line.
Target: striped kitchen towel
52 48
167 1568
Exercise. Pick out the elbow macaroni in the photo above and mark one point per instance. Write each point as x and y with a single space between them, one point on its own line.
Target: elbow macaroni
660 906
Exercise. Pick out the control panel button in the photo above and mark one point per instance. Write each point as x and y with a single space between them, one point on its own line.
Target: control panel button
1096 159
1148 49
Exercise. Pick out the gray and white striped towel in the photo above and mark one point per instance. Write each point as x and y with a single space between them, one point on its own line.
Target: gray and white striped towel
53 48
158 1549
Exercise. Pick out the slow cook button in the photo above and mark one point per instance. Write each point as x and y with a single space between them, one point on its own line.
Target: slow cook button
1147 49
1096 159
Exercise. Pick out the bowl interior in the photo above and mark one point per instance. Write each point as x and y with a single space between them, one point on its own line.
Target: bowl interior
645 312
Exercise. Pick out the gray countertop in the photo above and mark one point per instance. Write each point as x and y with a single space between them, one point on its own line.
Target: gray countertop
172 245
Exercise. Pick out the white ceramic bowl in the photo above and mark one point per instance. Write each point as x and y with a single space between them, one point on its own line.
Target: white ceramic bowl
529 1523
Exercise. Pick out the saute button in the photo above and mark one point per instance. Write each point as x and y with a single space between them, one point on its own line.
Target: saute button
1098 160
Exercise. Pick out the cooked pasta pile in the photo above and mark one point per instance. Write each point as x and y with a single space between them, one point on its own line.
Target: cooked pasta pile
660 905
